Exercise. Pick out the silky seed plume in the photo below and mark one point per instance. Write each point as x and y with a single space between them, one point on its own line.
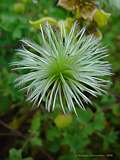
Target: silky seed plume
64 69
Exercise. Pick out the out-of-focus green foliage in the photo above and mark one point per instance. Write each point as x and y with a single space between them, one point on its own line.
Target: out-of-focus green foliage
33 132
15 154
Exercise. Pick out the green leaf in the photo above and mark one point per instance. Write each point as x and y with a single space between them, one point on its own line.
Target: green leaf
17 33
36 141
15 154
53 133
107 99
87 130
76 141
35 124
99 121
35 130
85 116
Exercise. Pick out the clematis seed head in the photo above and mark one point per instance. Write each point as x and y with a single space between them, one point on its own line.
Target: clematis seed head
64 69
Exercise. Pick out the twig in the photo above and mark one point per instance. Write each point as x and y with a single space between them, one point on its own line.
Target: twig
18 133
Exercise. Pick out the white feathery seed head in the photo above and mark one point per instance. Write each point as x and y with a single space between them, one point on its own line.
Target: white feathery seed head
64 69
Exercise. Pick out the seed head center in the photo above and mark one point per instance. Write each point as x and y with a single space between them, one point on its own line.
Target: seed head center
61 65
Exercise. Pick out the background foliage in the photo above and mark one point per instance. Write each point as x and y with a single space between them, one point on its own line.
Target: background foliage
26 133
